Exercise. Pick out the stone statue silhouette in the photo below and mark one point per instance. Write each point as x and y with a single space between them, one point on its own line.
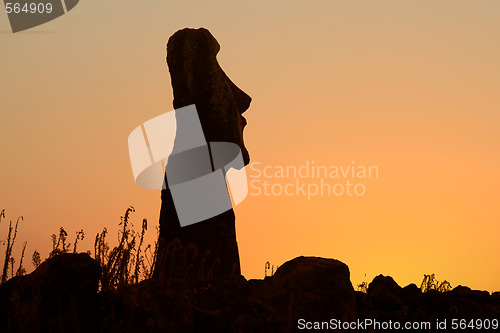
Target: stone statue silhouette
205 250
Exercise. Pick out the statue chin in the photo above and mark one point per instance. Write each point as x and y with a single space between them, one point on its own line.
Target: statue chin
246 156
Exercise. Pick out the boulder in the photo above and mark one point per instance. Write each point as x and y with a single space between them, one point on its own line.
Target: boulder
314 289
59 296
384 294
311 288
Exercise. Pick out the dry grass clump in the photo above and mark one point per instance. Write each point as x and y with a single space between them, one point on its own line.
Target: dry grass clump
363 286
269 269
9 261
430 283
60 243
128 262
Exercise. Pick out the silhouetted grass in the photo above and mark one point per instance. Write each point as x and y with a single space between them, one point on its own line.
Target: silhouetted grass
9 259
363 286
269 269
128 262
430 283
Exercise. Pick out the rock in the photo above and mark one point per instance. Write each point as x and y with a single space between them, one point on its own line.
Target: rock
411 296
434 304
311 288
470 304
466 292
383 294
198 79
361 302
59 296
315 289
150 306
385 300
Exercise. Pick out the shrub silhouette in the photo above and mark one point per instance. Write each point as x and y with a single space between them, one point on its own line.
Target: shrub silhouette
363 286
9 260
268 267
128 262
430 283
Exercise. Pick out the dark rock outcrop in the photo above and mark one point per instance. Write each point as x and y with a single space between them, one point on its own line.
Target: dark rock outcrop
386 300
198 79
315 289
384 294
309 288
59 296
305 287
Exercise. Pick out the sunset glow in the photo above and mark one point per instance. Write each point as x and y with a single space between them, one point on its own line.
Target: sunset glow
400 97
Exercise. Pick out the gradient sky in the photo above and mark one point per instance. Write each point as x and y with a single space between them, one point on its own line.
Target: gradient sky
412 87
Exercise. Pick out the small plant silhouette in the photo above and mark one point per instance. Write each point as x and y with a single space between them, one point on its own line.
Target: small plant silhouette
59 243
125 263
269 267
21 270
80 235
129 262
430 283
363 286
9 260
36 259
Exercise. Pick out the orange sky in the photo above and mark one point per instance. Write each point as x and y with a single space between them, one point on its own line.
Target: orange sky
411 87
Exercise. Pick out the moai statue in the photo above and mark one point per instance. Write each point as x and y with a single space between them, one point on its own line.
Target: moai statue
206 250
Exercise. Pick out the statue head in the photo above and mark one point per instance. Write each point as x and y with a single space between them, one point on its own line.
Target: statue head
198 79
